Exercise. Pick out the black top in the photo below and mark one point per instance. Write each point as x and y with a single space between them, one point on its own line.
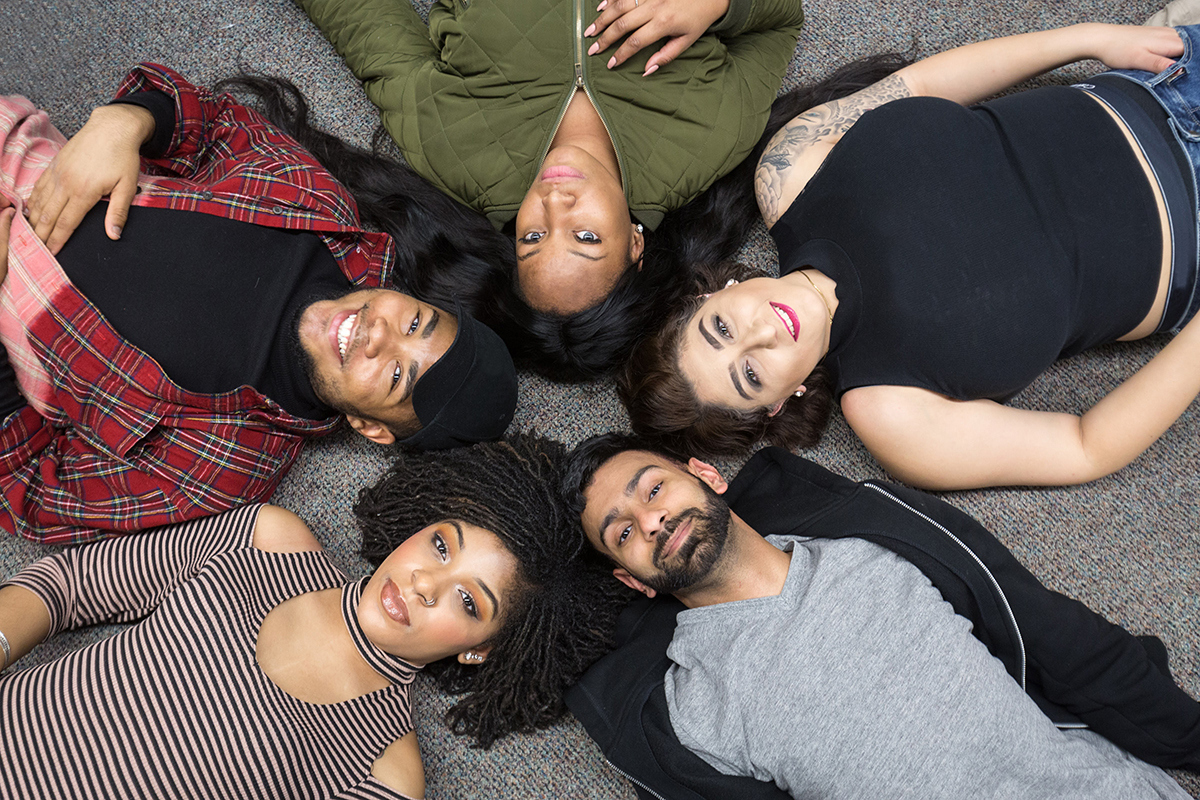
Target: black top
973 247
214 301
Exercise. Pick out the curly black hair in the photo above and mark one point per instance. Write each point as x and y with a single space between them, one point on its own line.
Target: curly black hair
563 619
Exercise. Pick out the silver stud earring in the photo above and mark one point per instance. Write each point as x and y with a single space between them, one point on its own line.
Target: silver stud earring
639 227
473 657
731 282
704 296
799 392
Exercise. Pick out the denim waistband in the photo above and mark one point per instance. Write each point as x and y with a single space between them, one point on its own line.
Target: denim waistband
1150 126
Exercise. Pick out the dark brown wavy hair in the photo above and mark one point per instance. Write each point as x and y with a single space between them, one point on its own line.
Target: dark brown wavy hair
663 405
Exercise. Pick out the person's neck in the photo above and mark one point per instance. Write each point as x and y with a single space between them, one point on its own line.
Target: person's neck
749 567
582 127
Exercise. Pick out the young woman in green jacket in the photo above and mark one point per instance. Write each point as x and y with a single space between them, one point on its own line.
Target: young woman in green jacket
577 131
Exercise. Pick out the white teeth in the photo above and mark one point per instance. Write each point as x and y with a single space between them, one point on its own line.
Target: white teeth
343 334
787 322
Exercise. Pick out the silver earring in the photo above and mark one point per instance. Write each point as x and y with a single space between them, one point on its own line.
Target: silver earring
473 657
704 296
731 282
639 227
799 393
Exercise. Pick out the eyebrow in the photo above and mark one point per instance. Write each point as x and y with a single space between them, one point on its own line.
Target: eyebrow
630 488
708 336
737 384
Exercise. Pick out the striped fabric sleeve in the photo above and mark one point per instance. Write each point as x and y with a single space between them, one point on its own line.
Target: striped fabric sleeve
124 579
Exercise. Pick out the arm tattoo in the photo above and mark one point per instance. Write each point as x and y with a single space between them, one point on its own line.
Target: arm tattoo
813 126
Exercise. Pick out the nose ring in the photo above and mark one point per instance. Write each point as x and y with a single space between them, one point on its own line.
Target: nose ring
428 602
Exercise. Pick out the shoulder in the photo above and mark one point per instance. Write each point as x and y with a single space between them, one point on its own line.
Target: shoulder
278 530
399 767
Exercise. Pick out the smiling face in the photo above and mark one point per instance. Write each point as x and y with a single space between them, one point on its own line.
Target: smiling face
751 345
367 349
574 236
664 525
443 592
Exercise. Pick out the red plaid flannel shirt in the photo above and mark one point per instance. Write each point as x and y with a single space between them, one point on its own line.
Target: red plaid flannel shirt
128 449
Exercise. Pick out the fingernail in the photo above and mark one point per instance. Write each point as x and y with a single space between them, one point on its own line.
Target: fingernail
612 62
115 230
590 29
603 5
595 48
650 70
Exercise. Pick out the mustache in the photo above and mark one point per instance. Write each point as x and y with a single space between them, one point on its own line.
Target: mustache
670 526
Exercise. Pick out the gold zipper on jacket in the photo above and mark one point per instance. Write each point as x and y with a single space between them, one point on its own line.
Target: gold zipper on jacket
580 83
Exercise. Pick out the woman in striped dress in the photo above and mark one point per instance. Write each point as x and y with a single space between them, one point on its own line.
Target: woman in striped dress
256 669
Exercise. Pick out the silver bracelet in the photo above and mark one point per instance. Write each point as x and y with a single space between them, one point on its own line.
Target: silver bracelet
4 647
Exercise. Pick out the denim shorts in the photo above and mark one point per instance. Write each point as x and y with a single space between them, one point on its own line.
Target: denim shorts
1178 93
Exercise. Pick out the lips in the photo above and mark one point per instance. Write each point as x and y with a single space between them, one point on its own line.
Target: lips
553 174
678 537
791 322
341 332
393 603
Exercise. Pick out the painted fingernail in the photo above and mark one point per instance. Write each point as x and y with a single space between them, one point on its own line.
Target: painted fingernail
612 62
595 48
650 70
603 5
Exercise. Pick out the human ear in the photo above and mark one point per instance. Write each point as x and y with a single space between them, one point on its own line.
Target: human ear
475 656
775 409
375 431
709 474
637 246
633 583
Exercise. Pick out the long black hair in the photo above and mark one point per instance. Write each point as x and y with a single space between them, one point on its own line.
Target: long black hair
563 613
448 252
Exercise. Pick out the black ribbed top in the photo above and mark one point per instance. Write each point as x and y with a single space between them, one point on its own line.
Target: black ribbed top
974 246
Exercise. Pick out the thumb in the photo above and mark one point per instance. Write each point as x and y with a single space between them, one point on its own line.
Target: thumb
119 201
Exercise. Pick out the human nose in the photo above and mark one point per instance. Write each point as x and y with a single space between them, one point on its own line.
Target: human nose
650 520
424 585
761 334
378 335
558 200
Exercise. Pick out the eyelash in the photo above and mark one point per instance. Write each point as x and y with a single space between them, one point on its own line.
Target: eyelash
533 237
412 326
468 601
751 376
395 376
719 325
469 604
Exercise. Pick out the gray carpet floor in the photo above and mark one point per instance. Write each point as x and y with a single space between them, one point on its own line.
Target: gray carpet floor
1126 545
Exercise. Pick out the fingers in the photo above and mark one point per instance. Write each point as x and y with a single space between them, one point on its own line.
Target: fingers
617 19
68 219
119 201
668 53
6 219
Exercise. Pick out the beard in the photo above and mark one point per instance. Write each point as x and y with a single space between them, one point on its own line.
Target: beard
693 562
320 384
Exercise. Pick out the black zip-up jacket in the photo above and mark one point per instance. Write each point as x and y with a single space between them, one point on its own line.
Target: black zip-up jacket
1081 670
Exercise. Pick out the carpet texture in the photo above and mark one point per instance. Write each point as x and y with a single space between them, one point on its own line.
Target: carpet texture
1126 545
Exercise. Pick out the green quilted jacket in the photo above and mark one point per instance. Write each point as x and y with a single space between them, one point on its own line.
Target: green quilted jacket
473 99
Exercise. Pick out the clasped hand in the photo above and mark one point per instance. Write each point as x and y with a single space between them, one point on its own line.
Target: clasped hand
644 22
102 159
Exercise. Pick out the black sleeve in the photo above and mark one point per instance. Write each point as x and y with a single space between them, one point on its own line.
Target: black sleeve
11 398
163 108
1080 661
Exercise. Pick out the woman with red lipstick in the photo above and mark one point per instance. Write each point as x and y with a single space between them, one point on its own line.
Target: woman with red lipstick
255 669
936 259
584 149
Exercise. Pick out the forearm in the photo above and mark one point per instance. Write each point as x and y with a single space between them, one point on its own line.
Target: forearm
976 71
24 621
1134 415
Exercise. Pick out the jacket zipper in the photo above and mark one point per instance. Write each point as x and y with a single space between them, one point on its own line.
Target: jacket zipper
580 83
992 578
632 779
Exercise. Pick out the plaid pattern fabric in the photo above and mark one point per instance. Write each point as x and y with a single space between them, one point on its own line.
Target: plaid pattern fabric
117 446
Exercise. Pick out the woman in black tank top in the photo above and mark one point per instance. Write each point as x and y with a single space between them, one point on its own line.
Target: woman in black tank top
935 259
